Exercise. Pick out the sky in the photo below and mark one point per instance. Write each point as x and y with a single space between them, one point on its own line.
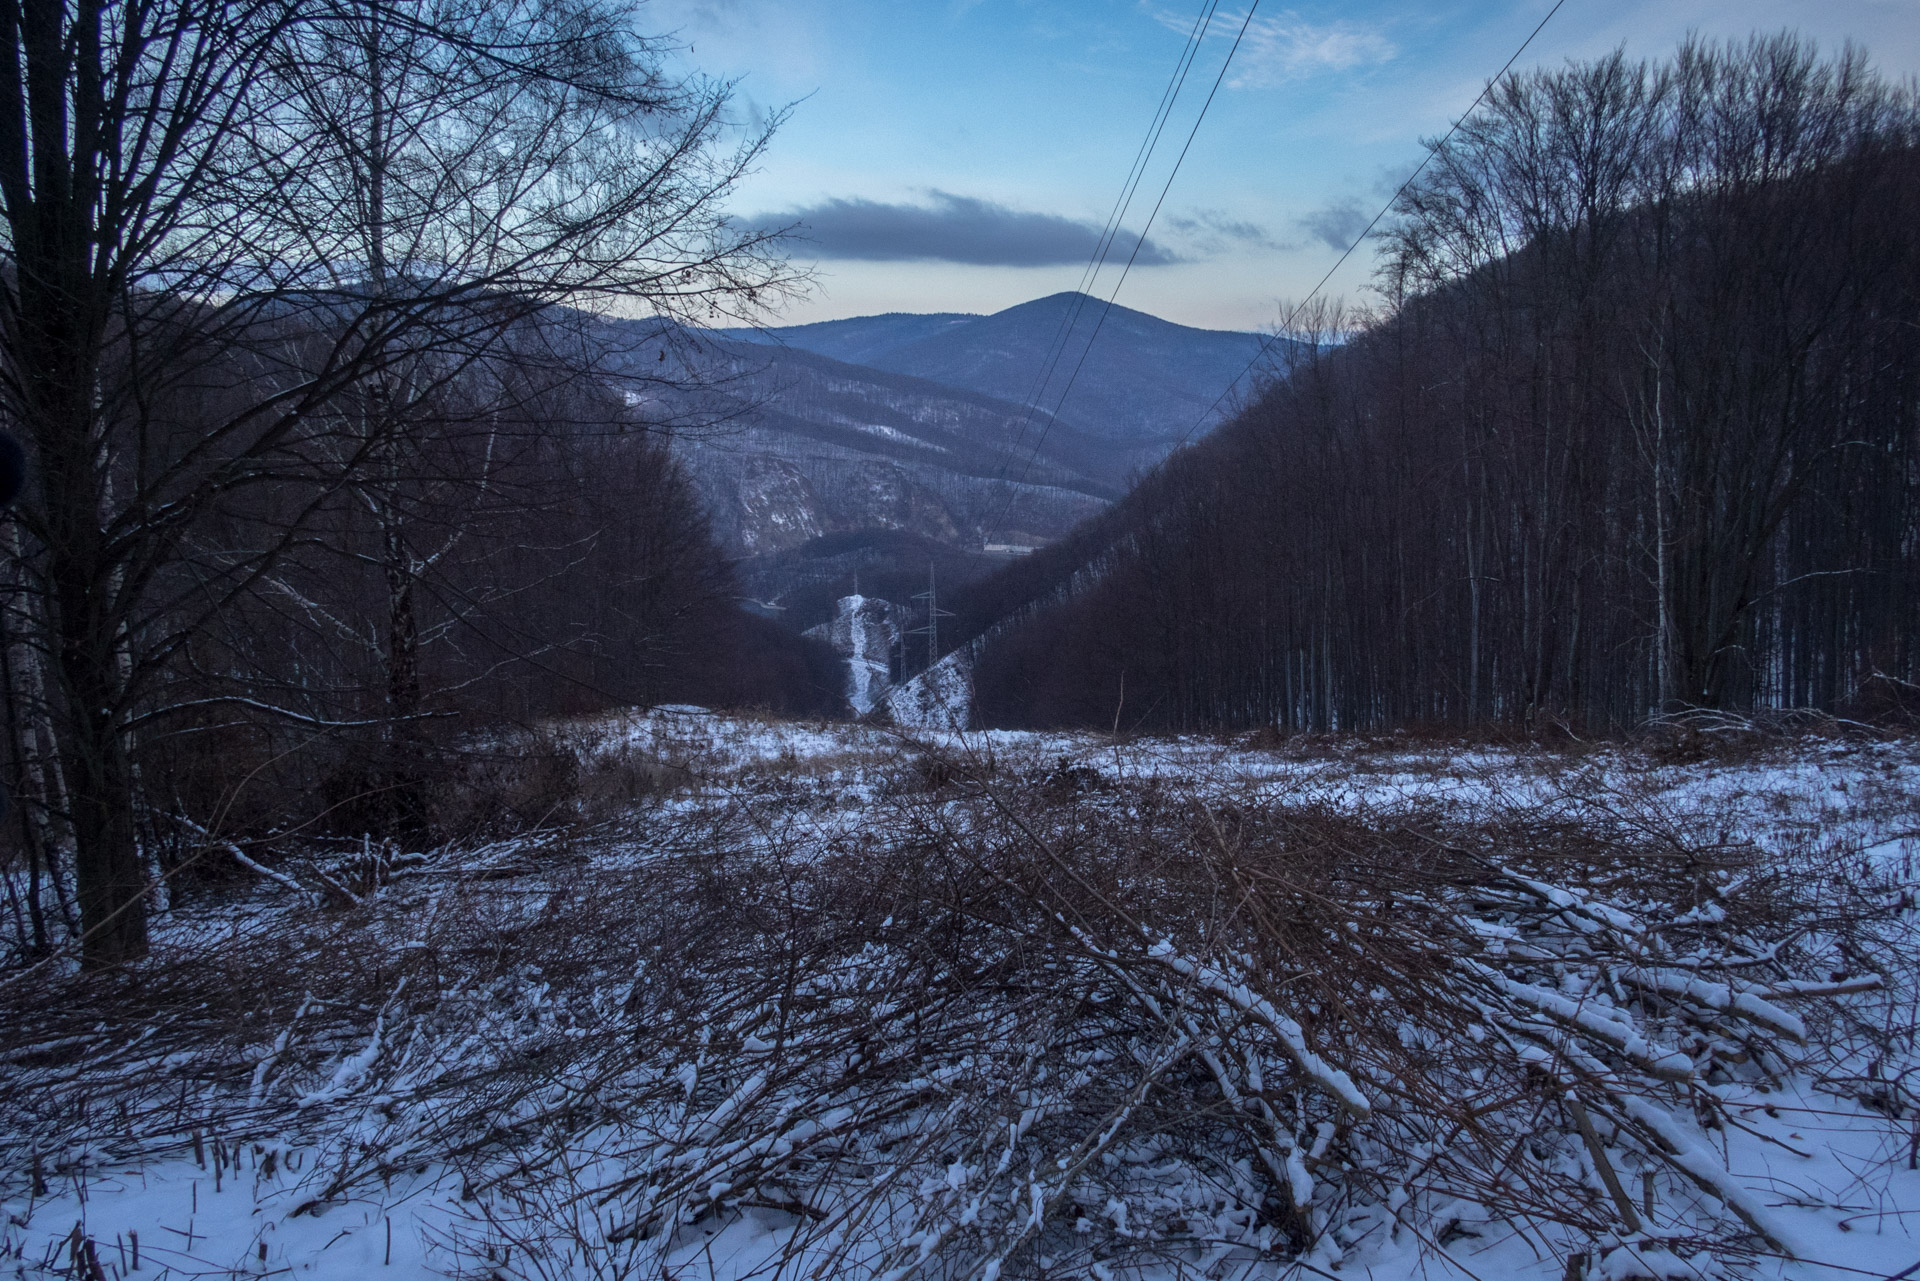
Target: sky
963 155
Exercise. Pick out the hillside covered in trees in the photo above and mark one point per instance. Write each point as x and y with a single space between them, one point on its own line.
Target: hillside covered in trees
1634 430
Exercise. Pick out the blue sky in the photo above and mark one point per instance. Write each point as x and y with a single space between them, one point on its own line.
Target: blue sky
995 133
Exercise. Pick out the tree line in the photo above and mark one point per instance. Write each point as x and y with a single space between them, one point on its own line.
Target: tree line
1633 430
332 453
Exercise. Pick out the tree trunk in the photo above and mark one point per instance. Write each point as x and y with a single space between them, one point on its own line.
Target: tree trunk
58 349
406 802
93 750
112 883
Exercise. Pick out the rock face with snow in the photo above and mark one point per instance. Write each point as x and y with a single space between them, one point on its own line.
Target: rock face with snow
864 631
939 698
773 504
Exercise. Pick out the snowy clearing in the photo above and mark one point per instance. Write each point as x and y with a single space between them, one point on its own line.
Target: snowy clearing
782 1000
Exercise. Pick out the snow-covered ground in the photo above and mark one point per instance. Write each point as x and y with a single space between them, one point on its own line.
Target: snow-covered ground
938 699
832 1000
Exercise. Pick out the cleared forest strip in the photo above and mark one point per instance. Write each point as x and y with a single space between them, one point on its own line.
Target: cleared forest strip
844 1002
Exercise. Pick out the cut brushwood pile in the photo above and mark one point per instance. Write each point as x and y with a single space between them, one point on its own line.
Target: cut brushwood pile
996 1016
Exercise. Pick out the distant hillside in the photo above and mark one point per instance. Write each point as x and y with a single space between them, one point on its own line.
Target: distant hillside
1659 457
814 471
860 340
869 448
1144 380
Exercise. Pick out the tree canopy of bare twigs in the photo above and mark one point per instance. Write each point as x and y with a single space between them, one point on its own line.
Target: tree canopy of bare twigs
256 246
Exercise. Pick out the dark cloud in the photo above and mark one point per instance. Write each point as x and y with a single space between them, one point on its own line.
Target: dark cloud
958 229
1209 231
1337 225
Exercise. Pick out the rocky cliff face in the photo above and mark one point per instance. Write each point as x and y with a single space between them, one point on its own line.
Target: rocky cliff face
761 503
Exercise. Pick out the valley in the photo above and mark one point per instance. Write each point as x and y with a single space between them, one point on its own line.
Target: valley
880 444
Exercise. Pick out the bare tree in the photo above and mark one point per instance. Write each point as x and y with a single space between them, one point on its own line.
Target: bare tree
237 255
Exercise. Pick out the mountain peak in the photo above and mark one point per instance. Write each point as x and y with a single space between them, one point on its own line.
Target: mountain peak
1093 308
1109 370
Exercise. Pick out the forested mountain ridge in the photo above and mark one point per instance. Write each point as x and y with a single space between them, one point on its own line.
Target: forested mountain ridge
727 384
813 471
858 340
1638 432
1145 381
828 449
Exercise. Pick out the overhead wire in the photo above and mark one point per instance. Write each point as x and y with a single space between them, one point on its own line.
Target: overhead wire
1196 37
1147 226
1139 241
1287 324
1109 233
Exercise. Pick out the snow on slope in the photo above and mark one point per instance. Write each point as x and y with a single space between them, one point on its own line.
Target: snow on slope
1821 1153
863 630
940 698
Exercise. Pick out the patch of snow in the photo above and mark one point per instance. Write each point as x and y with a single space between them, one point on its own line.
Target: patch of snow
940 698
1828 1175
863 631
893 433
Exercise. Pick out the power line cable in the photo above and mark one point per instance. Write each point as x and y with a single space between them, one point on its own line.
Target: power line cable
1202 22
1070 317
1167 186
1110 230
1267 344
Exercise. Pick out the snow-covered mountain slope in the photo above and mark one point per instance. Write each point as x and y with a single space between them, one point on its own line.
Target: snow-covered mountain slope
940 698
864 631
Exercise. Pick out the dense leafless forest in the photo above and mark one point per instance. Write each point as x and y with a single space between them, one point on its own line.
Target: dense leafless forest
1633 430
